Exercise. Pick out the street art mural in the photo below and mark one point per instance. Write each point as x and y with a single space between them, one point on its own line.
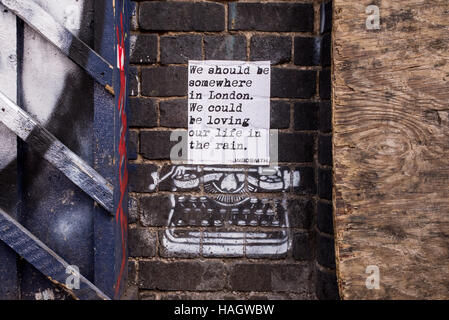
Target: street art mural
230 218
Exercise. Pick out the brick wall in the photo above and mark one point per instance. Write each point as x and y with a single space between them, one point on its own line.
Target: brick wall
295 37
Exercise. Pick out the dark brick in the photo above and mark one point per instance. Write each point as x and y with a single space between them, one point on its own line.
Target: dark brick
325 56
325 184
181 16
156 145
325 117
325 84
140 177
154 211
325 220
281 296
133 14
326 17
131 292
325 150
181 48
251 277
142 112
270 277
132 272
306 116
290 278
202 296
173 113
147 296
141 243
276 49
300 213
169 185
279 114
307 51
325 251
134 80
292 83
307 183
225 47
295 147
302 249
271 16
132 145
326 285
164 81
143 48
133 209
191 275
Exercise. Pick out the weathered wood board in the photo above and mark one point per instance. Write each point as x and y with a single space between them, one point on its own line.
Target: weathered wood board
8 151
391 148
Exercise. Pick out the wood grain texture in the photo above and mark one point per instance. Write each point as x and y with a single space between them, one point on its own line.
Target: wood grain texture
55 152
391 148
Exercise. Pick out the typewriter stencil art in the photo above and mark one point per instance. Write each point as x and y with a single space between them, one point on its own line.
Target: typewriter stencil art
234 216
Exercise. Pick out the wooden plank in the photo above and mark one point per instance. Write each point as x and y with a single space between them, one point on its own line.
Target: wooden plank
51 149
391 150
58 94
9 279
79 52
44 259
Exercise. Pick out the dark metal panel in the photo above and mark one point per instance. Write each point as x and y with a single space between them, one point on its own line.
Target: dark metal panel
112 34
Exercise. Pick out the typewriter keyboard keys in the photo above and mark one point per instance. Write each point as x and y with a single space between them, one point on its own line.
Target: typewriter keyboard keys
181 201
205 223
218 223
275 223
193 203
253 223
203 201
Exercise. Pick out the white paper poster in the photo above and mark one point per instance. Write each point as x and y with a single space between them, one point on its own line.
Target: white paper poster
229 112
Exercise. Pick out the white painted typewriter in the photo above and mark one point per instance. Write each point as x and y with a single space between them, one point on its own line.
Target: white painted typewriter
230 220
